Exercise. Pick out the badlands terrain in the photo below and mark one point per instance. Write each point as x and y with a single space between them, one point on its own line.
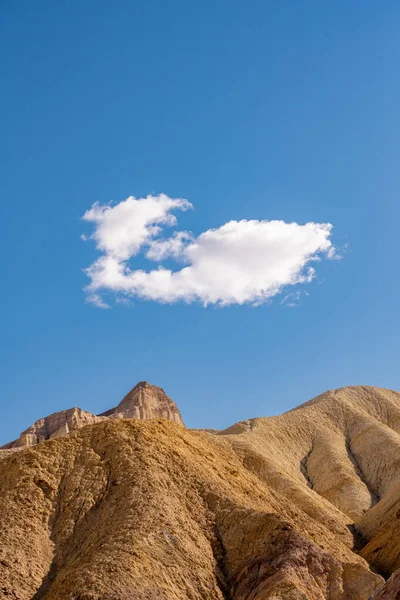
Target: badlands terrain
131 505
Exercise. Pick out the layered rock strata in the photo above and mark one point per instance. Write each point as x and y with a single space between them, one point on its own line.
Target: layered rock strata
144 401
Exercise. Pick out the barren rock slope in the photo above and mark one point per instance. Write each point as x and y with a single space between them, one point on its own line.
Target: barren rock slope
272 508
144 401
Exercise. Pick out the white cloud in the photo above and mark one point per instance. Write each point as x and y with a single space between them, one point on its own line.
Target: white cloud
122 229
97 300
237 263
170 247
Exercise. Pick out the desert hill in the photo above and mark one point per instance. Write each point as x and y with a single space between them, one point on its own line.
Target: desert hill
305 505
144 401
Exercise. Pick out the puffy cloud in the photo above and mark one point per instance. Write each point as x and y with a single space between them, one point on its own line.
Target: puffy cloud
171 247
121 230
237 263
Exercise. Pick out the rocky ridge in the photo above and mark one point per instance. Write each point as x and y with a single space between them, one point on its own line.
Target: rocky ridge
303 506
144 401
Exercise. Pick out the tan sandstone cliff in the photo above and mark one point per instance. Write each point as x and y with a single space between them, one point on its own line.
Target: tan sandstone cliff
144 401
290 507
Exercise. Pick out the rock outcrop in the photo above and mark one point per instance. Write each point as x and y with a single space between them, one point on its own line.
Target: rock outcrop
294 507
55 425
144 401
390 590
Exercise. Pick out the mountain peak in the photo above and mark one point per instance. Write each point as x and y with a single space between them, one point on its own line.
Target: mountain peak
147 401
143 384
144 401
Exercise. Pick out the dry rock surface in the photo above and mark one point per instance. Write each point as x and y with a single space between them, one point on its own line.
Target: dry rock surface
144 401
131 505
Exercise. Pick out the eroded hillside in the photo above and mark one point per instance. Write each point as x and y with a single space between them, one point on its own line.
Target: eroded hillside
297 506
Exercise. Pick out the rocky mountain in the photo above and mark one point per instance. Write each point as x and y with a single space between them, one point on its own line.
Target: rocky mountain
302 506
55 425
144 401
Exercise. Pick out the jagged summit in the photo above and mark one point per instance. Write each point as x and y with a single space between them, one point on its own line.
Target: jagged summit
52 426
144 401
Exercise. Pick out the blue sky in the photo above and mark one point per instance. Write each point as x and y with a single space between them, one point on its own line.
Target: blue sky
260 111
